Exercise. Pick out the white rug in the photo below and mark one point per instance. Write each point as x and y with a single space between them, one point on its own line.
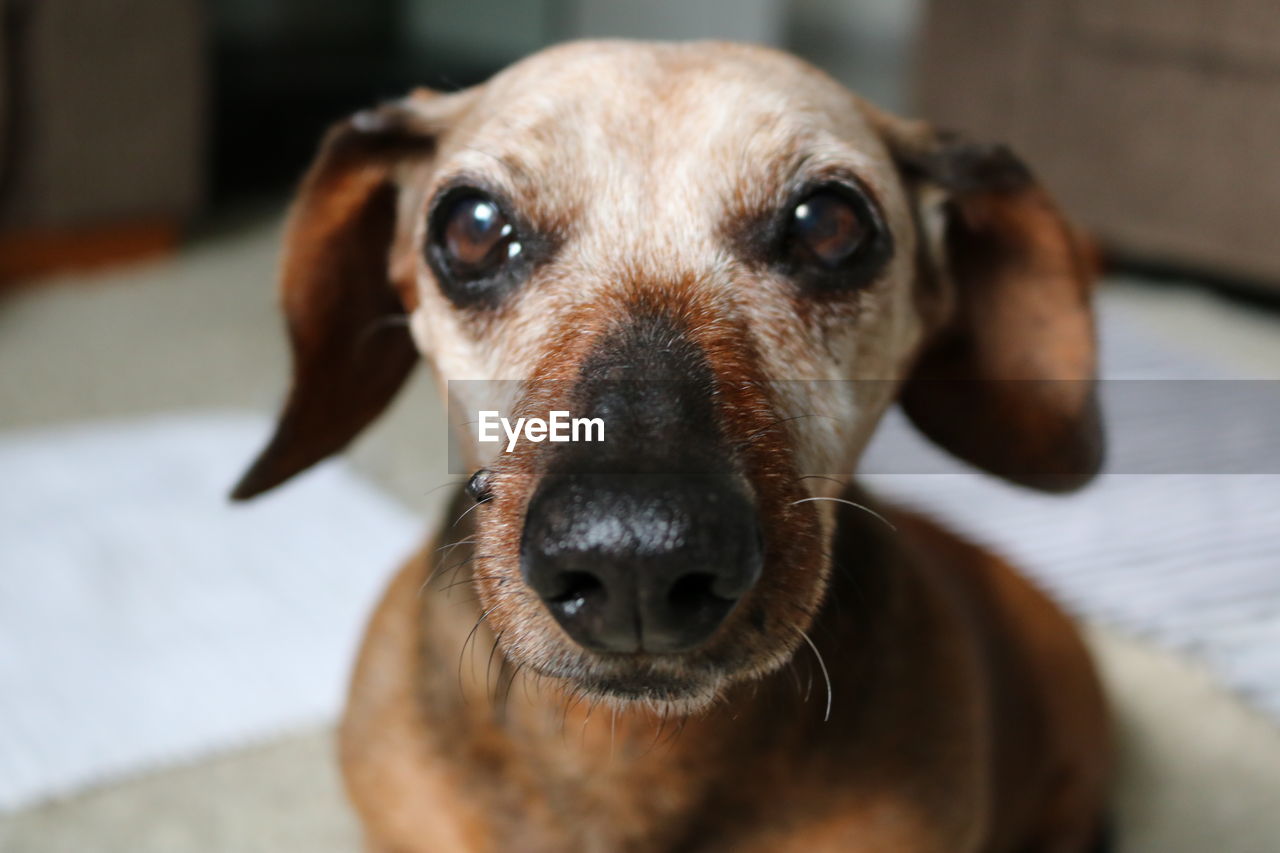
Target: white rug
144 620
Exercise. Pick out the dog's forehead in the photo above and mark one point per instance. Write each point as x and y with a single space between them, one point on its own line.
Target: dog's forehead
691 116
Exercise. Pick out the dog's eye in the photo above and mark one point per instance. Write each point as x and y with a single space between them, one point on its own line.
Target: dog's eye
828 229
476 238
477 249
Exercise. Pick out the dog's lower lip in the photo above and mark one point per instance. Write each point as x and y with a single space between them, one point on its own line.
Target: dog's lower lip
653 689
632 677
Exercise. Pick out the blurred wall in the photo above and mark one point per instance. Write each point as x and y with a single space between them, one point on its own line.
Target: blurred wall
733 20
867 44
485 31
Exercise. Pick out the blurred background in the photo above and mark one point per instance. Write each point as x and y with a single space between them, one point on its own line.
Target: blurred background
170 667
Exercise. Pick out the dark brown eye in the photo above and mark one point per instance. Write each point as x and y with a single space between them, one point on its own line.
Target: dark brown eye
476 238
478 249
828 229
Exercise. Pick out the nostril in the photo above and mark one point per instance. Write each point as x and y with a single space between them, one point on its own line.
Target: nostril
696 592
573 590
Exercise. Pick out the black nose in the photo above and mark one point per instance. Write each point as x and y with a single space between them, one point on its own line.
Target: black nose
640 562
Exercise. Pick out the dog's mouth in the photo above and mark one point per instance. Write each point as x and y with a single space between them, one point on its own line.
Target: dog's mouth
652 589
616 641
646 589
627 665
662 683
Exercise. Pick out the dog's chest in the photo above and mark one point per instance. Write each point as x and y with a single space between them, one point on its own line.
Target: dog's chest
571 802
577 779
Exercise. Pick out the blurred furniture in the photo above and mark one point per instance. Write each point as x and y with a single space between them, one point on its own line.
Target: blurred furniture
101 130
1156 122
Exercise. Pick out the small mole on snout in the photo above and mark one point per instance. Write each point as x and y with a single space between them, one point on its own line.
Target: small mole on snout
480 486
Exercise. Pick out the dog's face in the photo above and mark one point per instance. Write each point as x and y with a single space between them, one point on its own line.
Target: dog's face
733 262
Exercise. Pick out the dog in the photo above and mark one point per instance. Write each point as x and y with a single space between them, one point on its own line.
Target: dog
692 635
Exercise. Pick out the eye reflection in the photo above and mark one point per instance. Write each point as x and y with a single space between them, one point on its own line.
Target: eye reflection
827 228
477 238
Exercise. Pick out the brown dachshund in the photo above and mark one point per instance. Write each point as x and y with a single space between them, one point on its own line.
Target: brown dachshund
693 634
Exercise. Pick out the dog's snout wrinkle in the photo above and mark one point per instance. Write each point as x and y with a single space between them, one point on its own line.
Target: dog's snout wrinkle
654 390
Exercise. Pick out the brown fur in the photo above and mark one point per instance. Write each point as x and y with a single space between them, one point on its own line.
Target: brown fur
964 713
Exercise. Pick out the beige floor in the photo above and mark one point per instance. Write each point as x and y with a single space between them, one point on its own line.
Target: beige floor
1200 772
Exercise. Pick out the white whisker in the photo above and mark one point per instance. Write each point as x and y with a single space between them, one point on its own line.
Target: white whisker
865 509
825 675
467 512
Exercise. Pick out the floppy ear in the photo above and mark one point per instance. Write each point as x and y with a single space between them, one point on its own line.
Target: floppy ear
350 355
1006 380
